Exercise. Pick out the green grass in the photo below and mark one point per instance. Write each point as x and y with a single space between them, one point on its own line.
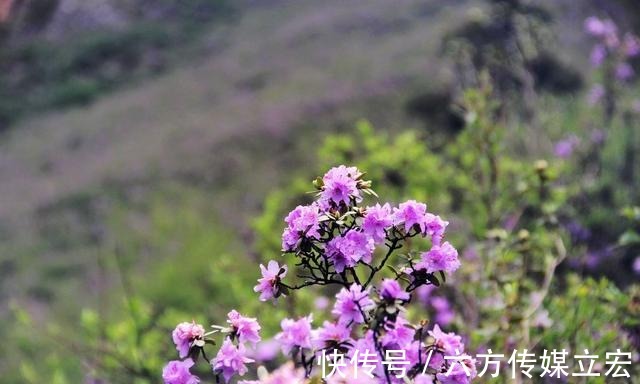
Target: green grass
45 74
159 179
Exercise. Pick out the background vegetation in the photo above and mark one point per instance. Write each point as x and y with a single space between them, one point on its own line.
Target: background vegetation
149 152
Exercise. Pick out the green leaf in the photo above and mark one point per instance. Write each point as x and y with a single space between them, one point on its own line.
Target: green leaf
433 280
630 237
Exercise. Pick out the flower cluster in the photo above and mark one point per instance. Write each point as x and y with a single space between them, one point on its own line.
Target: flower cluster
185 336
177 372
564 148
337 241
612 51
451 344
269 285
232 357
439 305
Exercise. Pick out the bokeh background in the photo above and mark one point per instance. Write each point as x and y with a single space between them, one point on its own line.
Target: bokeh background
147 149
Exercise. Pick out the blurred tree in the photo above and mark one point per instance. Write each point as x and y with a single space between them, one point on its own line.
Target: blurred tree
512 40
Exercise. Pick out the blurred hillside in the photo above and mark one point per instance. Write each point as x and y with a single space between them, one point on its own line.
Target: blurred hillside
277 78
62 53
125 126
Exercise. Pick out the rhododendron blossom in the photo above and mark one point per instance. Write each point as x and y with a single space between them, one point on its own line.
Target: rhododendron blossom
245 328
410 214
631 44
302 222
351 376
332 335
624 71
268 285
423 379
346 251
377 220
599 28
598 54
459 372
353 249
435 227
340 185
612 53
352 305
564 148
391 290
184 335
448 342
295 333
398 334
440 258
444 313
596 93
230 360
286 374
177 372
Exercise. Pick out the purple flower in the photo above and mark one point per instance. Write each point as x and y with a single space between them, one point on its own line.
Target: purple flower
350 305
448 342
612 41
367 344
339 186
631 45
295 333
440 258
290 239
352 375
266 350
542 319
598 54
303 221
624 72
376 220
330 335
398 334
600 28
416 353
423 379
184 334
230 360
578 232
391 290
269 284
594 26
459 372
564 148
435 228
594 258
346 251
245 328
636 265
437 361
424 293
177 372
444 313
321 303
470 253
595 94
411 213
286 374
598 136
